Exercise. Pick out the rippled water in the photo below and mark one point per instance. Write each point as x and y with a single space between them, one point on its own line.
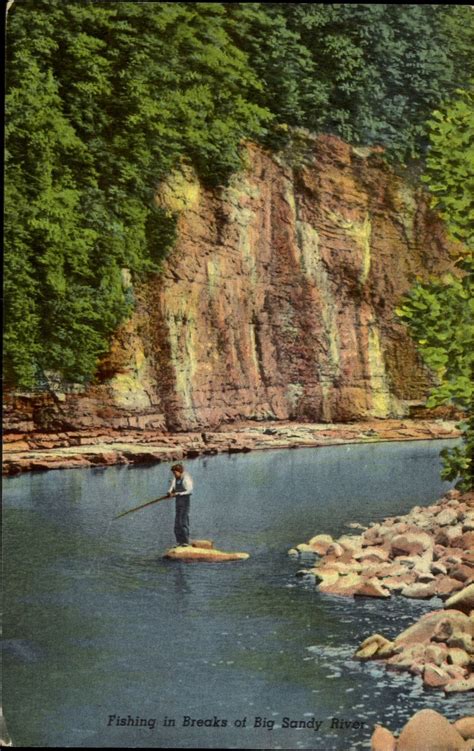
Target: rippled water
100 630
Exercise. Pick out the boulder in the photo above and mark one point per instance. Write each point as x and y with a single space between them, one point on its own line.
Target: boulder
209 555
465 726
420 591
320 543
410 543
467 541
463 573
435 677
446 586
446 516
437 625
460 684
432 730
458 656
449 536
382 740
373 646
463 600
372 588
372 553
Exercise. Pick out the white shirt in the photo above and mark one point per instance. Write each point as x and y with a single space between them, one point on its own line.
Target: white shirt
187 485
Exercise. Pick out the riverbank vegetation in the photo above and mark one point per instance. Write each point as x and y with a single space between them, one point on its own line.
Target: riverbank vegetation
104 99
440 314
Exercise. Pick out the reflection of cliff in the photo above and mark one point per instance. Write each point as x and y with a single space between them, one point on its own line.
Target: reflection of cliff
277 301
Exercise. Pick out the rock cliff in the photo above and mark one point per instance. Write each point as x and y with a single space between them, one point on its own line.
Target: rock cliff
276 303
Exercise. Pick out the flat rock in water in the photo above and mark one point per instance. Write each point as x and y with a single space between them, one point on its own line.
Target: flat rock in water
203 550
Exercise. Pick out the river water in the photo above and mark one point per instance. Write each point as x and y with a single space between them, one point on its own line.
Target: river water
109 645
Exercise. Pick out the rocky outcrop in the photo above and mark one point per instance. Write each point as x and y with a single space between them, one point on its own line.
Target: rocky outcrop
35 451
276 303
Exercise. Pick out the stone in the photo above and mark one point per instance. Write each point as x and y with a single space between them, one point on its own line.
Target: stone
433 730
445 586
382 740
446 516
458 656
372 553
437 625
209 555
410 543
467 541
463 600
460 685
372 588
373 646
465 726
436 654
435 677
420 591
449 536
462 573
320 543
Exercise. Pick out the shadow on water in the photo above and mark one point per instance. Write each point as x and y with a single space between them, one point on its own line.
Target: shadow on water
99 625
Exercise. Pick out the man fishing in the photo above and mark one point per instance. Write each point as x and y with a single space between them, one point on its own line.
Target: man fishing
181 487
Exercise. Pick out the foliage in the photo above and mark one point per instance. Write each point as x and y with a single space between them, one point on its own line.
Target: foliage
103 101
440 314
381 68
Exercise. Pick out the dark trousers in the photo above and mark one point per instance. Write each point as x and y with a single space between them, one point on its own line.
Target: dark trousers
181 520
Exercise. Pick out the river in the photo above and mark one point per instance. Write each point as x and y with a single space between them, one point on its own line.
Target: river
106 644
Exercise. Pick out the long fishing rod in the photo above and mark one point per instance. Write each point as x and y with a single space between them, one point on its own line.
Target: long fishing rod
149 503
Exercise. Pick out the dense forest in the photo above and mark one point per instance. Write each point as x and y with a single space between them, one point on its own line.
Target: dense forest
104 99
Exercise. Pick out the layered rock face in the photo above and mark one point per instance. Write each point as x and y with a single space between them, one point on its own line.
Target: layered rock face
276 303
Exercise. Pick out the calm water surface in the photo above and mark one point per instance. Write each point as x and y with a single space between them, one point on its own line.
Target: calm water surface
98 625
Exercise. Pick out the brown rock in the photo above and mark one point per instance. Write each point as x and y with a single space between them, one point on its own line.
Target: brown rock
463 600
382 740
465 726
320 543
436 654
446 516
434 732
467 541
372 588
463 573
445 586
410 543
436 624
457 656
449 536
374 646
435 677
420 591
460 685
209 555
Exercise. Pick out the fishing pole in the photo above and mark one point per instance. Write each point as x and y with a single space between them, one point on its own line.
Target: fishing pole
149 503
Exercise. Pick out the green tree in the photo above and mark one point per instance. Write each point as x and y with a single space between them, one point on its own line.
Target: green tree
440 314
381 69
103 101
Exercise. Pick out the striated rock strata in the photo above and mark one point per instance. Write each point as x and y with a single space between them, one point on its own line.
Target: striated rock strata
277 303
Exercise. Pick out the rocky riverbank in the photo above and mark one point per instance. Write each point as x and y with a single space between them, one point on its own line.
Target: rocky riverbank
25 450
425 554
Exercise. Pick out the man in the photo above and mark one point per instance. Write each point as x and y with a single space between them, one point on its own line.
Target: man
181 487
